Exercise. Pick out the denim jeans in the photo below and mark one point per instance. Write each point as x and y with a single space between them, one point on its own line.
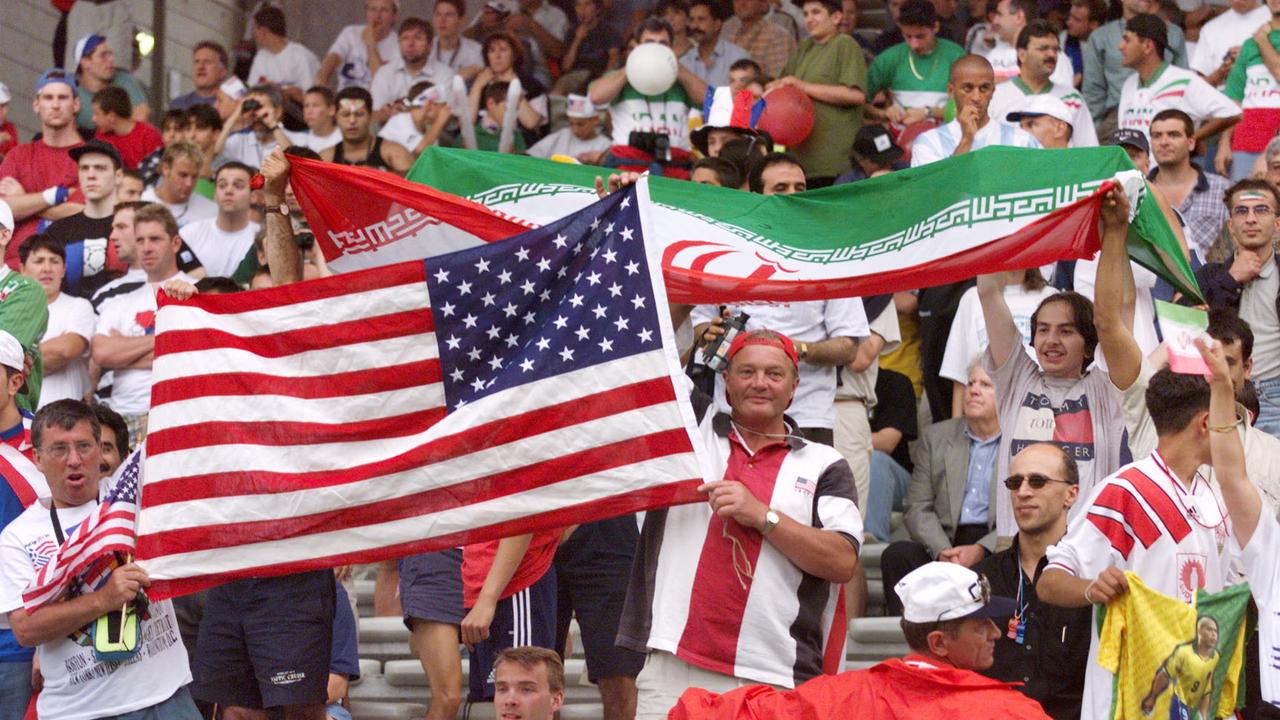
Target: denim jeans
1268 406
179 706
15 689
889 483
1242 165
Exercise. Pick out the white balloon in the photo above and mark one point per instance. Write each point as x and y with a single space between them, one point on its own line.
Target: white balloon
651 68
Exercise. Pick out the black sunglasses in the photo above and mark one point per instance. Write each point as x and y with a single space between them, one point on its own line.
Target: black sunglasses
1036 480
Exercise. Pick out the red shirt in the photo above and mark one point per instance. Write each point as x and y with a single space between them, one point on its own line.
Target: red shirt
478 558
37 167
8 127
141 141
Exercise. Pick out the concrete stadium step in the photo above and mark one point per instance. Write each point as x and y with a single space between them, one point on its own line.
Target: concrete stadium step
369 667
409 673
875 639
411 688
387 638
364 598
363 710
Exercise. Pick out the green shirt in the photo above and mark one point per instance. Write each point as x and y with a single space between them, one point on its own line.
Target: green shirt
24 313
122 79
488 141
915 81
839 61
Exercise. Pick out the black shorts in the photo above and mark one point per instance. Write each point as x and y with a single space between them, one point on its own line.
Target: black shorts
431 587
592 570
266 642
526 618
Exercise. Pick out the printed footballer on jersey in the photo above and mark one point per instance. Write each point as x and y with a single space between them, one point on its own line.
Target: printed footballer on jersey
1184 681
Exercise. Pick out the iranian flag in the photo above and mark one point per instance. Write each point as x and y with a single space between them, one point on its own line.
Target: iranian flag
992 210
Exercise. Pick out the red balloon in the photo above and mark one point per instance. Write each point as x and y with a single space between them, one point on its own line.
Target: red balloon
787 116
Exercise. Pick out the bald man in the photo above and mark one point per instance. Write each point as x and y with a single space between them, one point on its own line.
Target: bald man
1042 646
971 85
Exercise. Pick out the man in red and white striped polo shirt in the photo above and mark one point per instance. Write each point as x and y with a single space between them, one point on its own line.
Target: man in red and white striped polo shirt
746 588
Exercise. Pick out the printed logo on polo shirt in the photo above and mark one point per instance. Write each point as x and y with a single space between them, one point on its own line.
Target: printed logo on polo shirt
1069 426
42 551
288 677
147 321
806 486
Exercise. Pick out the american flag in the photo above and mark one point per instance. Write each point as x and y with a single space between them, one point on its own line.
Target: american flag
515 386
89 554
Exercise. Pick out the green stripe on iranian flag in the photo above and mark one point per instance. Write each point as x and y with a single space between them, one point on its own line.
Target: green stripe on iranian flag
995 209
1180 326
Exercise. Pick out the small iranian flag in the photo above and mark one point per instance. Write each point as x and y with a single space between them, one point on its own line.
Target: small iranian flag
1180 327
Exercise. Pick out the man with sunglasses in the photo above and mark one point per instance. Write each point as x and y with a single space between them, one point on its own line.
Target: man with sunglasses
1041 646
1249 283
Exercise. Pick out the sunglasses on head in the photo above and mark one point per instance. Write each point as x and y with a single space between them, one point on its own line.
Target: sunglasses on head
1036 480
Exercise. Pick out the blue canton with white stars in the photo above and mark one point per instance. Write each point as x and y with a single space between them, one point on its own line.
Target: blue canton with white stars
566 296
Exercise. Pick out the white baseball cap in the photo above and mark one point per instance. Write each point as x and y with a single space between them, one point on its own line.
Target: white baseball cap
1035 105
580 106
5 96
11 355
6 216
948 591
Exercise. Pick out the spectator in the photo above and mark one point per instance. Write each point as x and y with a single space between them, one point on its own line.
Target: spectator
971 87
462 55
253 128
1008 21
130 186
66 436
1047 119
1145 92
591 51
894 427
873 154
127 251
359 145
950 500
8 133
1195 194
504 62
38 178
769 44
422 124
523 691
956 604
1043 485
1084 17
1222 37
133 138
849 26
223 241
115 438
205 127
632 115
676 12
413 64
1267 167
488 130
280 61
1251 84
319 112
789 17
716 171
209 65
125 339
95 70
65 346
809 536
84 235
892 33
746 75
175 125
1105 71
23 314
1247 283
1024 290
582 140
745 152
914 71
711 56
718 116
430 592
361 50
542 27
951 24
831 70
1060 400
1135 145
1038 56
179 170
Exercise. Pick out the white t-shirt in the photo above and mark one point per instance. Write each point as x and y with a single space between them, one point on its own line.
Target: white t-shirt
196 208
812 321
69 314
1219 35
220 252
354 68
940 142
1262 566
294 65
1144 307
76 685
393 80
132 315
1004 61
1011 96
309 139
244 146
1171 87
564 142
469 53
968 336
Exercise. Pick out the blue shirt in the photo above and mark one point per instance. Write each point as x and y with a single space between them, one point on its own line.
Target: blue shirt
977 484
344 658
716 72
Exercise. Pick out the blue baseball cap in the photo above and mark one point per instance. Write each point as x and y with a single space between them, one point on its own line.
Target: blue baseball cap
86 45
55 75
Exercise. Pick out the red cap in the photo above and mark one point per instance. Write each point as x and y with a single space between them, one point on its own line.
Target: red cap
782 342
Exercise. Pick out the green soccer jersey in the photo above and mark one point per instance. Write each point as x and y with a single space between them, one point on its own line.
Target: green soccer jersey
915 81
24 313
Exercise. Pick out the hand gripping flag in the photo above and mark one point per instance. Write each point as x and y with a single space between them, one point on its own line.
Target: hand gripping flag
511 387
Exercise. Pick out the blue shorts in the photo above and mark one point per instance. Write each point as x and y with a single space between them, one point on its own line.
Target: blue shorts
593 568
526 618
431 587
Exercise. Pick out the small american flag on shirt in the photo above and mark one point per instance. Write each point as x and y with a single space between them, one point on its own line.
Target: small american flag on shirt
88 556
520 385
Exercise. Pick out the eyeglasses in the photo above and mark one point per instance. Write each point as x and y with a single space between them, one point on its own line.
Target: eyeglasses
59 451
1242 211
1036 480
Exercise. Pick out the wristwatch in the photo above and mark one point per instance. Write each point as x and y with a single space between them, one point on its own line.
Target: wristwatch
771 521
804 350
273 209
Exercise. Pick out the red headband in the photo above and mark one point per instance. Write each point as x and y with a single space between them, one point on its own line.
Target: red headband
782 342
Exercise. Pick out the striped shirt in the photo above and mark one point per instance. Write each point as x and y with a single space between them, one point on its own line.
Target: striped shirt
1171 87
1012 96
940 142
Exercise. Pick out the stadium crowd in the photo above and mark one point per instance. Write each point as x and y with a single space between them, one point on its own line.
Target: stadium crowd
987 431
